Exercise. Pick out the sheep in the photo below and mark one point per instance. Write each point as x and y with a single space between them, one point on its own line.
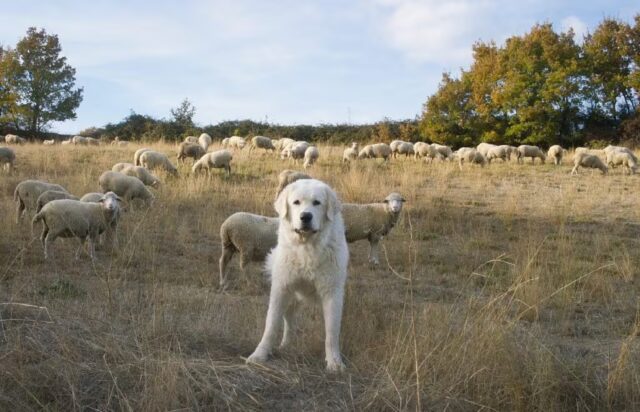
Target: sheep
123 143
286 177
470 155
556 152
350 153
511 150
588 160
310 156
7 158
192 150
498 152
225 142
214 160
394 147
443 151
295 151
261 142
26 195
50 195
371 221
280 144
405 148
530 151
14 139
119 167
237 142
93 142
374 151
137 154
253 236
155 160
421 149
611 148
141 173
92 197
484 148
624 158
205 141
127 187
82 220
190 139
48 142
79 140
66 142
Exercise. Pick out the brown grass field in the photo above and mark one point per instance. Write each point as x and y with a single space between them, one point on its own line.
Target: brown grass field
511 288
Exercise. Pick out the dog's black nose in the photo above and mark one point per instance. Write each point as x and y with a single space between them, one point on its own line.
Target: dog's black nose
306 217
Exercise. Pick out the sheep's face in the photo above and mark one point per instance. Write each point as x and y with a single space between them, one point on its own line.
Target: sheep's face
110 201
394 202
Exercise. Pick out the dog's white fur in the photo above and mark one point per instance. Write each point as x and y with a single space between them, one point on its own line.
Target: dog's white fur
310 260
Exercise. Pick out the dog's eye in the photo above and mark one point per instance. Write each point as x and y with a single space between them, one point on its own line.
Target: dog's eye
296 202
316 203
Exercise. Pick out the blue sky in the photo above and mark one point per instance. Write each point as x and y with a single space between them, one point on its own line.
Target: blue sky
290 62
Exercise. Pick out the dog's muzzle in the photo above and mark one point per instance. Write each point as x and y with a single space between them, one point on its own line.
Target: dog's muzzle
306 225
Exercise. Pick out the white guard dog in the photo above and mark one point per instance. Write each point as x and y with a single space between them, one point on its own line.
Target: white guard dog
310 260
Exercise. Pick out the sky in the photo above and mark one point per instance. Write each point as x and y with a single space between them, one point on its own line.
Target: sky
281 61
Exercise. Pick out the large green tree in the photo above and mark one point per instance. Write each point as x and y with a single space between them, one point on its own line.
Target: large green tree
40 81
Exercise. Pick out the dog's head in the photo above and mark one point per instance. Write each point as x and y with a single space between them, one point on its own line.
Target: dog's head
306 206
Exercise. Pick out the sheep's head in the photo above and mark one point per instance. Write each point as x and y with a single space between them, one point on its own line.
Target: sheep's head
393 202
110 202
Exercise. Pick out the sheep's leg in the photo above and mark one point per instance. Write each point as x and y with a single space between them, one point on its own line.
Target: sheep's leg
373 251
574 171
80 247
332 311
20 210
47 242
279 299
227 254
92 248
289 324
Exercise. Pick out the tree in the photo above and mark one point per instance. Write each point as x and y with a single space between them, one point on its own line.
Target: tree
40 81
183 114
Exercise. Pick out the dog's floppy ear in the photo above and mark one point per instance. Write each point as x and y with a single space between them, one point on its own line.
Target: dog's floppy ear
333 204
281 205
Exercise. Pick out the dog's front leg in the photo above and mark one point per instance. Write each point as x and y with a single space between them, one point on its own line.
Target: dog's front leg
332 311
279 299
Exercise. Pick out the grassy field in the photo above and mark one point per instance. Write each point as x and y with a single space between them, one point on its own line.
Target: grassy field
512 287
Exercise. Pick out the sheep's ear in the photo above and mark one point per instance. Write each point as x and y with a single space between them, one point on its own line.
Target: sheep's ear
402 199
333 205
281 205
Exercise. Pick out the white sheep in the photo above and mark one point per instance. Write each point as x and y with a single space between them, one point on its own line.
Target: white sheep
253 236
375 151
155 160
556 152
123 143
498 152
610 149
443 151
261 142
26 195
421 150
79 140
237 142
286 177
66 142
225 142
525 150
141 173
7 158
137 154
404 148
193 150
588 160
49 195
191 139
371 221
92 197
295 150
310 156
205 141
48 142
511 150
119 167
351 153
14 139
82 220
127 187
622 158
92 142
220 159
484 148
280 144
470 155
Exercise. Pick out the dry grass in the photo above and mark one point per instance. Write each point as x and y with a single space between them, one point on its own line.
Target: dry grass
512 287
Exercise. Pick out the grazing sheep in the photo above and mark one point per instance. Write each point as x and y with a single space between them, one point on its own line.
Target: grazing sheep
498 152
237 142
192 150
141 173
253 236
137 154
310 156
14 139
261 142
79 140
404 148
375 151
511 150
155 160
92 142
191 139
295 150
7 158
127 187
588 160
48 142
611 148
205 141
530 151
350 153
50 195
119 167
280 144
421 150
27 193
556 152
484 148
470 155
394 147
73 218
443 150
624 158
92 197
225 142
371 221
220 159
287 177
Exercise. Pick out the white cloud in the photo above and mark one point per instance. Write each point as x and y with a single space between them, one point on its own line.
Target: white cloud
579 27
